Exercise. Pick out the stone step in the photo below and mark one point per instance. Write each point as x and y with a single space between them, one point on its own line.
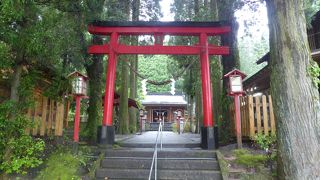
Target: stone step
161 154
161 174
174 163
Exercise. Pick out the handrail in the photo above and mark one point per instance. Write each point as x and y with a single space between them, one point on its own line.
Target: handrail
155 153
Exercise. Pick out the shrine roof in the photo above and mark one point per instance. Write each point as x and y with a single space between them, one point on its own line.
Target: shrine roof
164 100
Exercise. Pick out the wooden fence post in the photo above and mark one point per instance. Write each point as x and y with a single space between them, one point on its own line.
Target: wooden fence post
36 118
66 114
62 110
57 120
44 116
50 117
251 116
29 116
247 116
258 114
265 115
272 121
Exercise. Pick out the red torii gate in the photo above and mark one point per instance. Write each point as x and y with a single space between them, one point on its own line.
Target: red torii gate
201 30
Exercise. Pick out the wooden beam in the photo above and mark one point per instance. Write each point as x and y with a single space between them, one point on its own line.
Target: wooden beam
158 49
176 31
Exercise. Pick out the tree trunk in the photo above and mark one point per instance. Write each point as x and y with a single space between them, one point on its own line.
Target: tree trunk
196 8
216 74
233 60
191 111
226 12
14 96
296 99
134 64
199 114
124 110
133 95
95 72
124 119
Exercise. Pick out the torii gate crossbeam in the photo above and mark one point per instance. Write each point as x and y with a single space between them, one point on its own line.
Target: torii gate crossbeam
159 29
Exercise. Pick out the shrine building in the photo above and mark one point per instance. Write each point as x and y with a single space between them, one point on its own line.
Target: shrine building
164 106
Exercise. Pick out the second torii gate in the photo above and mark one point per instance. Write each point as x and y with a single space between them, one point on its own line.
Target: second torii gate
202 30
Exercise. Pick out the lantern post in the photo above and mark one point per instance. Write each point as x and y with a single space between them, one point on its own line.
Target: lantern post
79 90
141 113
235 90
179 114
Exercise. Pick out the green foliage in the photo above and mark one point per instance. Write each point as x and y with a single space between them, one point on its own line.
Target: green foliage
57 87
116 146
244 157
6 60
265 142
61 165
223 165
224 124
155 68
310 8
251 50
174 127
186 126
18 151
26 87
314 72
24 154
150 10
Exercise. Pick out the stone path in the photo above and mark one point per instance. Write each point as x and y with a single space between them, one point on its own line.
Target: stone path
168 138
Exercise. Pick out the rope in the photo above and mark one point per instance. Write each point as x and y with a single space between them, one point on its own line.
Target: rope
159 83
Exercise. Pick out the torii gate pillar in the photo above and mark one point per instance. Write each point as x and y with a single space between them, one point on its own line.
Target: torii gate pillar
108 130
207 131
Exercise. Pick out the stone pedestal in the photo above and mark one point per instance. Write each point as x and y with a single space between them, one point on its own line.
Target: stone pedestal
208 140
106 135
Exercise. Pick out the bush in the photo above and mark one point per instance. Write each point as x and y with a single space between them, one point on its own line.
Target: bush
18 151
267 143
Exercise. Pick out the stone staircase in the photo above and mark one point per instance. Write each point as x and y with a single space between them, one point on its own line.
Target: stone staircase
180 163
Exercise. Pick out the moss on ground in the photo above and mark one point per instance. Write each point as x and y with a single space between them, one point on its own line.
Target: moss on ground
116 146
62 165
223 165
244 157
95 166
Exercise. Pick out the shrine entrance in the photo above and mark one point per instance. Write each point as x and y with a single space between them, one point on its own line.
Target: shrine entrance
201 30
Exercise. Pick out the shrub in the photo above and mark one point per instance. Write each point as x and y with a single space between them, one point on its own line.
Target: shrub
18 151
267 143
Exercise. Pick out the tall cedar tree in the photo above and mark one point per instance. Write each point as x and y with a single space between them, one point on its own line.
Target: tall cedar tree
134 65
296 99
124 116
94 71
226 12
